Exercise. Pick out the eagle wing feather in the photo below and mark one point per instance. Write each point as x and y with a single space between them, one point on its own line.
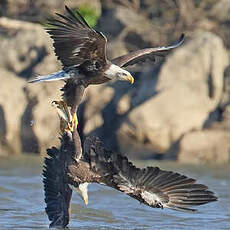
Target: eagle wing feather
75 41
152 54
152 186
57 192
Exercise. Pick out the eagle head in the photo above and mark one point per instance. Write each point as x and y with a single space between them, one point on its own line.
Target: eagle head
82 190
117 73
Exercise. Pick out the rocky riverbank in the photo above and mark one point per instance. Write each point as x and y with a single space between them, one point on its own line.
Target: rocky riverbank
176 110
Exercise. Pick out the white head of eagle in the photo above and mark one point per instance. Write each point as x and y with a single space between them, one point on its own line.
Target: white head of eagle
82 52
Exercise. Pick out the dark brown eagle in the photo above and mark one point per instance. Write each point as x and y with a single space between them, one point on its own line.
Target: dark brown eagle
82 51
71 168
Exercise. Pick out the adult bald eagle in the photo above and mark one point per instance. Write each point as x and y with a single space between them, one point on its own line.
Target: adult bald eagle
82 51
69 168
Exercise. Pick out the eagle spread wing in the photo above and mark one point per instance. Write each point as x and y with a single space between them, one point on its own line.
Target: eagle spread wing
75 41
146 54
57 192
151 186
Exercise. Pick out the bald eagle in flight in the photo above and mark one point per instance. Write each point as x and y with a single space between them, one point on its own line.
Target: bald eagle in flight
71 168
82 52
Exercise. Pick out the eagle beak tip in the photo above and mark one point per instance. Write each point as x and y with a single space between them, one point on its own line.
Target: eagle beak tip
86 201
130 79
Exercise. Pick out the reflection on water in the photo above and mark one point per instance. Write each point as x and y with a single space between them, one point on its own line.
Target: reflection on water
22 205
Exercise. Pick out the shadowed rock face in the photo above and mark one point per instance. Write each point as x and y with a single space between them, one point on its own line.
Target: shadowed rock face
24 48
190 87
167 110
29 118
13 103
211 145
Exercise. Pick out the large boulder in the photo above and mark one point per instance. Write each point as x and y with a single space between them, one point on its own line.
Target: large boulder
42 119
12 107
34 125
205 146
95 100
221 10
28 123
189 88
210 145
128 27
99 111
24 51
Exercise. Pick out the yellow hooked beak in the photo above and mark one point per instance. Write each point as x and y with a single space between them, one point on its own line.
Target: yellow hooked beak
86 200
129 78
82 190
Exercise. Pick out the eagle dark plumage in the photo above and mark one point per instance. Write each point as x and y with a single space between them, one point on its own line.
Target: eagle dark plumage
82 52
69 167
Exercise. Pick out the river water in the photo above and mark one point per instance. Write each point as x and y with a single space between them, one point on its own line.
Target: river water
22 201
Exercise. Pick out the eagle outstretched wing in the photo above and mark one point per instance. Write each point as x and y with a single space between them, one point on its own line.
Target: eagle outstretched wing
151 186
75 41
57 192
146 54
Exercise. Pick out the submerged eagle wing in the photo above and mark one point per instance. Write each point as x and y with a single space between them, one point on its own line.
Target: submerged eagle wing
75 41
151 186
57 192
146 54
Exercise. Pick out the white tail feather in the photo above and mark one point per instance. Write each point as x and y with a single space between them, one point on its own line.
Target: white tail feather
51 77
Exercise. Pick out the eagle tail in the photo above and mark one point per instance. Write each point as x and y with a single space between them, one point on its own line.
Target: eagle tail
57 192
51 77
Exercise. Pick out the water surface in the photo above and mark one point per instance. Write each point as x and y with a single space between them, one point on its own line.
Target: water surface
22 201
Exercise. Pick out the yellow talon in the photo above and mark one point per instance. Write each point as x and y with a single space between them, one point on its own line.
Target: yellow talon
68 122
75 121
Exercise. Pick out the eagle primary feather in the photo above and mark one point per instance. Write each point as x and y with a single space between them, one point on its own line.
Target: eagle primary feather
146 54
74 40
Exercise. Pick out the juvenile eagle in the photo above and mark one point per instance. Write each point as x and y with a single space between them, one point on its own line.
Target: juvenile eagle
69 168
82 52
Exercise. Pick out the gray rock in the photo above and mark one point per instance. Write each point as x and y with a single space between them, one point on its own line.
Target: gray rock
205 146
189 87
134 29
221 11
41 122
33 124
24 51
12 106
28 123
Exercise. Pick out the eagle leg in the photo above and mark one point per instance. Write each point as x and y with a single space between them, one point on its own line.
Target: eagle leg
68 121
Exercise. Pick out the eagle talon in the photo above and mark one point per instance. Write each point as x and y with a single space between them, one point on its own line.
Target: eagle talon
68 122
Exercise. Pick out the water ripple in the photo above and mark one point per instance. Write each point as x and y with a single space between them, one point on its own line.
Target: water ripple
22 202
